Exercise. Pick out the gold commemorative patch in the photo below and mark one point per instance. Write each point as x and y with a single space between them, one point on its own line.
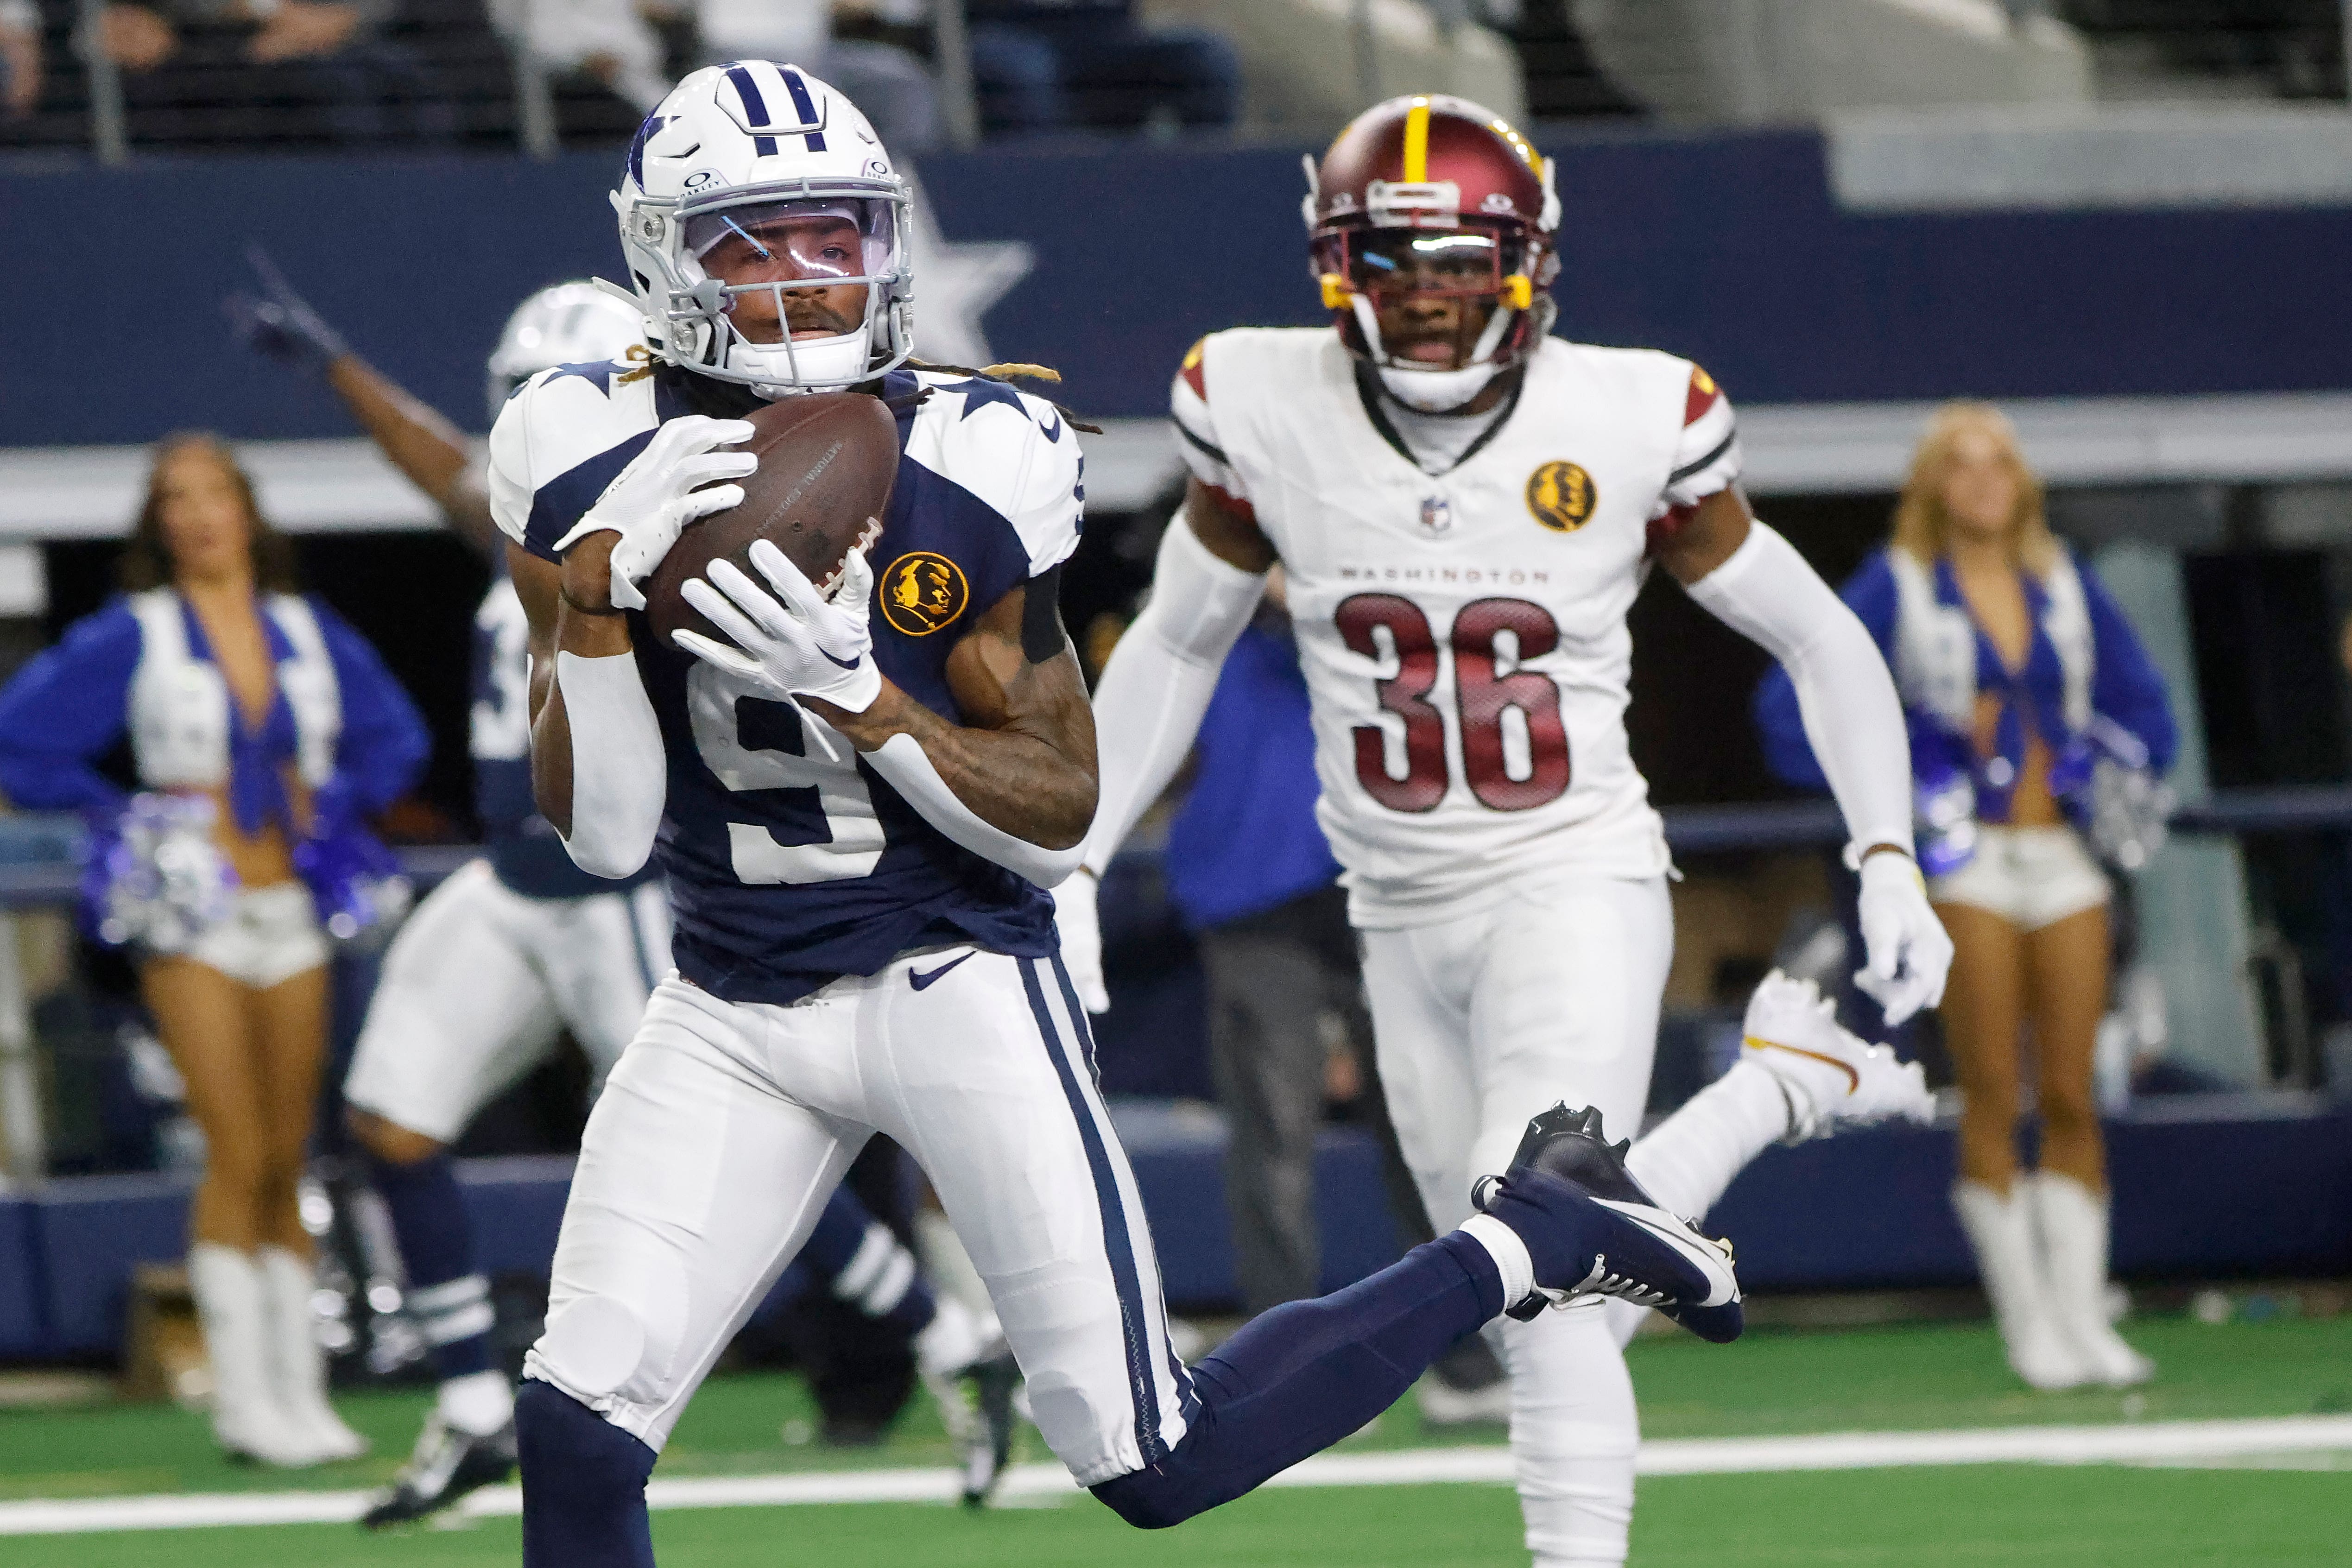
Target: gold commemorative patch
922 593
1560 496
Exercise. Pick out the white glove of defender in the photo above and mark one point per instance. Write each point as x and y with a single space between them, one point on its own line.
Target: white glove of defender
656 496
1907 952
797 642
1075 918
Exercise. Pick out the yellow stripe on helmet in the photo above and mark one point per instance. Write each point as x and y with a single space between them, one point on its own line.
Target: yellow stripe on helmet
1416 143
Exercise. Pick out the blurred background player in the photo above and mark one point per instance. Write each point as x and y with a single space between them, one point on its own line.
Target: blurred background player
1464 508
521 944
1249 871
237 691
2036 717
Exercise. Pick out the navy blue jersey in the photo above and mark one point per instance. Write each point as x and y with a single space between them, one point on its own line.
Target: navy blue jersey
788 867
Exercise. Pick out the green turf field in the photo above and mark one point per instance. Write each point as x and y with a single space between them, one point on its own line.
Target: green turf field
2078 1518
1882 1379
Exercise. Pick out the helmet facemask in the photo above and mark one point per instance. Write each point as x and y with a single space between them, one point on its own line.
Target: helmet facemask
780 245
1424 198
1365 268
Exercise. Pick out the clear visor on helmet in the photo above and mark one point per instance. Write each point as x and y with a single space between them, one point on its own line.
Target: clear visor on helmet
1422 259
1419 261
811 242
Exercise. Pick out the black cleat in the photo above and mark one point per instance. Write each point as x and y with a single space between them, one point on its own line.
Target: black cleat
987 1441
446 1465
1565 1165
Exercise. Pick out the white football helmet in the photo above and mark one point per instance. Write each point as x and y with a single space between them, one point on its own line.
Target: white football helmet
732 145
564 324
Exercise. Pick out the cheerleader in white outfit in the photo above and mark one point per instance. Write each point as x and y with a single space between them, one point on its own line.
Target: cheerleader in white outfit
232 689
2028 695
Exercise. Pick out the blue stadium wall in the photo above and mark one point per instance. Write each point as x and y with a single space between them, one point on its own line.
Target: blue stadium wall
1730 249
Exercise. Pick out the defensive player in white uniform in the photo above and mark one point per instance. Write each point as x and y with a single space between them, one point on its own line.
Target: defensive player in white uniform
859 796
1465 507
521 944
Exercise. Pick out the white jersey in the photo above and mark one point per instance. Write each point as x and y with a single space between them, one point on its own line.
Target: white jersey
1463 633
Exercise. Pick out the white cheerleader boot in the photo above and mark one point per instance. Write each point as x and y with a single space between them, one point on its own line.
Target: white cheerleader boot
2072 1220
2001 1231
299 1366
232 1302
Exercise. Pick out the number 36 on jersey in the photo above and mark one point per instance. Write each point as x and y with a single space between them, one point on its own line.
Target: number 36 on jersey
1515 754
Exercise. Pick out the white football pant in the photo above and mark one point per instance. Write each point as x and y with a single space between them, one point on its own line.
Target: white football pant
480 979
1480 1022
727 1126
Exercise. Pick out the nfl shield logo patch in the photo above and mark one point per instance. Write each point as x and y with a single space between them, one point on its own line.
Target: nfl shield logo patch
1436 516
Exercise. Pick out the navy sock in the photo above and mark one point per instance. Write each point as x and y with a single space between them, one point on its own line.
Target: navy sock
865 1264
448 1295
583 1485
1298 1378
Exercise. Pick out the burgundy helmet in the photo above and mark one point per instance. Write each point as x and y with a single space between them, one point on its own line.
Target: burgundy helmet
1434 195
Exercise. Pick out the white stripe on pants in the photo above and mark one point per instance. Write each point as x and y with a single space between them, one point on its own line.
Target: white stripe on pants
727 1126
1480 1022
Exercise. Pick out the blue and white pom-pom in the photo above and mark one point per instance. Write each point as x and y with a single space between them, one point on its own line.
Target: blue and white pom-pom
153 878
354 880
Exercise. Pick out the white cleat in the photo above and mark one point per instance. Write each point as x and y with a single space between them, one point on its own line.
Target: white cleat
1831 1077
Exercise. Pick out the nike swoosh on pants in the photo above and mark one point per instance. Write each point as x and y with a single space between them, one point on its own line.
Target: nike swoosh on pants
922 980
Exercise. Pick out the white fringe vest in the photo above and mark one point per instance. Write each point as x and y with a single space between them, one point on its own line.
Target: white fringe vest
180 705
1936 645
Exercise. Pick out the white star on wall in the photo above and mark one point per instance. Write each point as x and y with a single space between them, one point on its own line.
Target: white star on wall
955 284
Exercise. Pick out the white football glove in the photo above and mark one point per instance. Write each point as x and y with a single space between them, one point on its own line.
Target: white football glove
1081 929
1909 952
797 642
656 496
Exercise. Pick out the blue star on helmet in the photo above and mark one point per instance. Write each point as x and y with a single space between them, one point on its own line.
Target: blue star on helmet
978 393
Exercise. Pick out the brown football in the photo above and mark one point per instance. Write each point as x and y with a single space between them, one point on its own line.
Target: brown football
826 461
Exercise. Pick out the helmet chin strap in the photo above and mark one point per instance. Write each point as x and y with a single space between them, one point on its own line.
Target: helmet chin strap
1434 390
784 367
779 369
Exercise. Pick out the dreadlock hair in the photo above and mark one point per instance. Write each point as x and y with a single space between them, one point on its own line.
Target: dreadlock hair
1012 370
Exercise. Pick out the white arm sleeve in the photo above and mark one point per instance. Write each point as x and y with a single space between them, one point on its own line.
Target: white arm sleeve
1853 717
902 760
619 783
1149 703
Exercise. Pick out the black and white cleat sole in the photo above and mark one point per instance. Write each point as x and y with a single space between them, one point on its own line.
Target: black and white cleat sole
1660 1245
1717 1317
1709 1257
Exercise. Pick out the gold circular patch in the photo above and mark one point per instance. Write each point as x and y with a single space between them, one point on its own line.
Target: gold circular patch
922 592
1562 497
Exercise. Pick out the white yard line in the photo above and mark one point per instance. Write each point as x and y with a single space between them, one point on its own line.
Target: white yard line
2156 1442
